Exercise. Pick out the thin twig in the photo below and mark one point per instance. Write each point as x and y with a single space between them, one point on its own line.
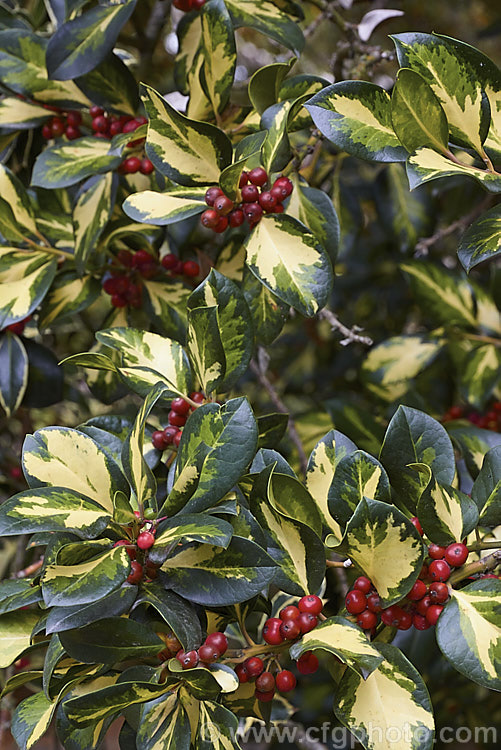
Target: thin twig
260 373
482 566
351 335
31 569
423 245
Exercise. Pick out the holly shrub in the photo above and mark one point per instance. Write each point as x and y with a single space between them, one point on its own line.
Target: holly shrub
188 214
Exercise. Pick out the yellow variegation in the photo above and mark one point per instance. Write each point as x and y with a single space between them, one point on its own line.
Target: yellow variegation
205 347
450 300
14 195
90 215
16 630
68 295
164 208
16 113
31 719
25 277
220 53
481 374
425 164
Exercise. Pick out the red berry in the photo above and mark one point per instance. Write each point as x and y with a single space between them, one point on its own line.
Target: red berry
197 397
197 4
290 629
271 631
417 591
140 257
438 592
439 570
433 613
136 574
267 201
250 194
311 603
252 212
289 613
180 406
15 472
115 128
244 179
74 118
355 602
367 619
208 653
151 572
145 540
170 433
100 124
456 554
279 209
188 659
242 674
72 133
210 218
307 663
416 523
392 615
169 261
254 666
146 166
423 605
176 419
130 550
177 438
57 127
307 622
211 195
218 641
130 126
191 269
236 218
118 301
436 552
423 572
420 622
159 440
374 603
96 111
222 225
456 412
264 697
223 204
405 621
363 584
131 165
265 682
47 131
285 681
258 176
126 258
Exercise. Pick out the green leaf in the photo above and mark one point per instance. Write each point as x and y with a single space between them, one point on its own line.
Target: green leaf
82 43
288 260
220 577
482 239
91 213
179 614
205 347
473 444
116 603
414 437
25 277
446 514
52 509
265 83
410 211
276 151
220 53
357 475
17 217
111 85
234 323
453 80
164 725
316 211
68 295
416 113
469 632
425 165
268 19
16 630
31 719
486 490
268 312
377 532
272 428
356 117
63 457
343 639
111 640
447 298
187 151
191 527
68 585
392 701
16 114
217 728
13 372
64 164
481 374
16 594
161 209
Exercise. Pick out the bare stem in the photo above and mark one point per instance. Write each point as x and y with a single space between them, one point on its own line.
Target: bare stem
351 335
482 566
461 224
477 546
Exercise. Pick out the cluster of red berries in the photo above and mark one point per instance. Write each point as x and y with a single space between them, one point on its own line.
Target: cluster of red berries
124 280
187 5
18 328
67 125
144 542
291 624
213 648
490 420
180 410
223 212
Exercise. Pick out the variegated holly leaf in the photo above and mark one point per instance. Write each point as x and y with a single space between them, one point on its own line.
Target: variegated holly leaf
147 358
65 164
166 303
357 475
316 211
453 80
217 728
473 443
25 277
481 374
288 259
115 604
81 43
205 683
356 117
415 437
268 312
264 84
16 630
320 474
392 702
52 509
187 151
447 298
234 323
482 239
446 514
425 165
469 632
17 216
219 577
220 53
410 211
161 209
68 295
486 490
111 85
417 115
13 372
31 719
16 114
205 347
63 457
164 722
91 213
86 582
189 34
288 496
378 532
191 527
390 366
276 150
340 637
268 19
16 594
179 614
